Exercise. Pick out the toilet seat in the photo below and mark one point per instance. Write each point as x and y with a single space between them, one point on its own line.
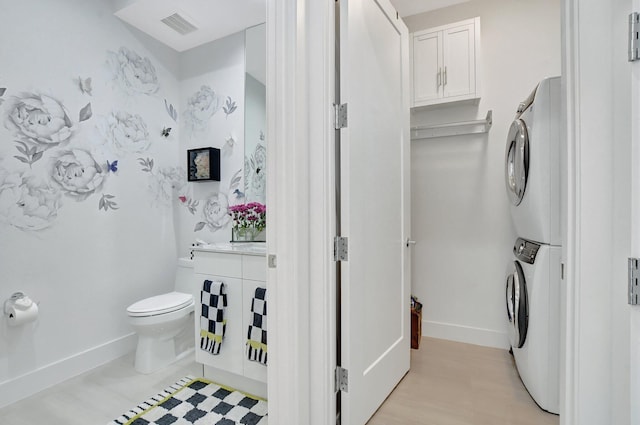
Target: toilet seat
160 304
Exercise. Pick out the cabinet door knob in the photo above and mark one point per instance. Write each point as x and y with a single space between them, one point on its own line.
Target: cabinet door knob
445 76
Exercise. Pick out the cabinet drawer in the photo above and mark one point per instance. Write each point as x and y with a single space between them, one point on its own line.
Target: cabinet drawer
215 263
254 267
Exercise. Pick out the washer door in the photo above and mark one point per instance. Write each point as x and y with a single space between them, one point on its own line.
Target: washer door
517 306
517 161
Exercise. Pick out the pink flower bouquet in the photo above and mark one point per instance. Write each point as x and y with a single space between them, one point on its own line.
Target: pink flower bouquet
248 220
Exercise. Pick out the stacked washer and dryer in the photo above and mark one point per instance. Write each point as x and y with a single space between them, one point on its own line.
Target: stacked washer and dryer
533 282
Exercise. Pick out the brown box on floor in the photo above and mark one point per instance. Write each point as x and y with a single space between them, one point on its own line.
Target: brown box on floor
416 325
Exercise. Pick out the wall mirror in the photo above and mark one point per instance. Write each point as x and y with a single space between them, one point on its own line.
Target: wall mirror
255 149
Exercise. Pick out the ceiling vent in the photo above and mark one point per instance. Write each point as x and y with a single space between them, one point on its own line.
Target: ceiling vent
179 23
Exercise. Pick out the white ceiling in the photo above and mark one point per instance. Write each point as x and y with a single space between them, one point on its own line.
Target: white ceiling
214 18
218 18
413 7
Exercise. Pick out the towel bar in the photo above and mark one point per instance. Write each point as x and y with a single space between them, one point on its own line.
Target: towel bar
453 128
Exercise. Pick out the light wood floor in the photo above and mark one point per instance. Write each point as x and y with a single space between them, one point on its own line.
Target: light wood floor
460 384
449 384
96 397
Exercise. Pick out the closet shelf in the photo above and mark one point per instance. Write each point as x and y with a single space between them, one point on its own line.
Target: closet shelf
453 128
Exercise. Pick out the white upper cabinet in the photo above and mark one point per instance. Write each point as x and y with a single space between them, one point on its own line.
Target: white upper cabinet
445 63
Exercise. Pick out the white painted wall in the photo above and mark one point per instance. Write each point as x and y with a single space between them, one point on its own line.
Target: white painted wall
83 264
460 211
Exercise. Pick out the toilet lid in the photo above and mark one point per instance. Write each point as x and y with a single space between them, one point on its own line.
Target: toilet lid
165 303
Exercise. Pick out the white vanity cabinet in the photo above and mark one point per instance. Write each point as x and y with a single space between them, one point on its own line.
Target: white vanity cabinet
444 63
242 268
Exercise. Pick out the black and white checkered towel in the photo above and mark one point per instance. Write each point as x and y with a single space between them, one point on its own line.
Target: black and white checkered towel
213 318
257 334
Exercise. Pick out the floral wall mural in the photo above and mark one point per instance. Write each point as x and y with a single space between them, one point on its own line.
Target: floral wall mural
77 174
255 160
38 120
124 133
132 73
40 123
213 116
201 106
29 203
74 167
80 218
94 198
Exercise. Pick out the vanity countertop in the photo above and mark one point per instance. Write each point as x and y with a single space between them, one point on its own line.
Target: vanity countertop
243 248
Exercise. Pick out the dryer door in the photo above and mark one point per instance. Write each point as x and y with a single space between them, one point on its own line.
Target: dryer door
517 161
517 306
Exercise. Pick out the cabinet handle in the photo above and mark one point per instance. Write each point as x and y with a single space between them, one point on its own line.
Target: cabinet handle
445 76
438 77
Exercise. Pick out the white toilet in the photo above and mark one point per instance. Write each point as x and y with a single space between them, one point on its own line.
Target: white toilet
161 320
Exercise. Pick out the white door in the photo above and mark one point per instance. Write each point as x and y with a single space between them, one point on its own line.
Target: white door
459 61
375 282
427 66
634 313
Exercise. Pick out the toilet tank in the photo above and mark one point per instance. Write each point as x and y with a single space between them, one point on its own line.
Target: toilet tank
185 276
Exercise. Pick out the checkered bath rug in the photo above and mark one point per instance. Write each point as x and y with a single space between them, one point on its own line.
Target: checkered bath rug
196 401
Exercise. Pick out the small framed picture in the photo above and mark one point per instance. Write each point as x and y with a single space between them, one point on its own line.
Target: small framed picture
203 164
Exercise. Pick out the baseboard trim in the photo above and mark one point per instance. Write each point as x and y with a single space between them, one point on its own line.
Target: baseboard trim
467 334
26 385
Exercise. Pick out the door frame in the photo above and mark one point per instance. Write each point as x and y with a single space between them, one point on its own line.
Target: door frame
302 210
595 332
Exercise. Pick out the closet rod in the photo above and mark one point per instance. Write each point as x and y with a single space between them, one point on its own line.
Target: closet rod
453 128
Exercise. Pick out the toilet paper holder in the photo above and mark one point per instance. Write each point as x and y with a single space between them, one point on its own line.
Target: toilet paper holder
19 300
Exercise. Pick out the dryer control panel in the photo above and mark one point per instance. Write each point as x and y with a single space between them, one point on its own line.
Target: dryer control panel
526 250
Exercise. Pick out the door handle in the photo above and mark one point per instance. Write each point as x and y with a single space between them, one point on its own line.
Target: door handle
410 242
445 76
439 77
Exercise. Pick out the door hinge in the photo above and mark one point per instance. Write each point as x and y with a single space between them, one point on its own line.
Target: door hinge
634 27
634 274
340 248
342 379
340 118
